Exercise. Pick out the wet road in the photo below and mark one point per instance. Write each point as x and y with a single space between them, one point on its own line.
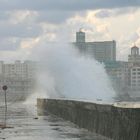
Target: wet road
27 126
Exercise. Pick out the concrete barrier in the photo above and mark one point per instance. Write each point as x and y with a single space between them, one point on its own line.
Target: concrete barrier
113 122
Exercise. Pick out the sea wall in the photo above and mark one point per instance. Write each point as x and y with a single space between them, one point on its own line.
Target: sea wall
113 122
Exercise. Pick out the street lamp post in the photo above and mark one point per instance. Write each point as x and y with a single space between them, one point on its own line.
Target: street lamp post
5 88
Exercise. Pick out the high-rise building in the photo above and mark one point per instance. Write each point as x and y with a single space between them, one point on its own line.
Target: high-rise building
80 37
102 50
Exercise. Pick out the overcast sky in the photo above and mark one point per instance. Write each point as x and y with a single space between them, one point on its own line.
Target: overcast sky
26 23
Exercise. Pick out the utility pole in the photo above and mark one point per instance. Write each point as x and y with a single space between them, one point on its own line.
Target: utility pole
5 117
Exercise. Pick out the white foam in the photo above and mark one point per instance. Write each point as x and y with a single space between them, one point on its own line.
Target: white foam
63 73
127 104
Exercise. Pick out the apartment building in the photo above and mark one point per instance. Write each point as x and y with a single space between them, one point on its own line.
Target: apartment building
19 77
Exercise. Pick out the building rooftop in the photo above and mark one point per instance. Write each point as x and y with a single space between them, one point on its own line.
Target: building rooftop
114 64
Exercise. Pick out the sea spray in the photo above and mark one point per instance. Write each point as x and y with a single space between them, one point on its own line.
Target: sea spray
63 73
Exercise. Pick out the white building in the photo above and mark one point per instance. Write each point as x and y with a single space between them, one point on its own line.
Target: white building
134 68
19 77
18 69
135 78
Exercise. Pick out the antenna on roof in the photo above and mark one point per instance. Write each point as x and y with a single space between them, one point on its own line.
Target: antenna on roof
134 44
80 30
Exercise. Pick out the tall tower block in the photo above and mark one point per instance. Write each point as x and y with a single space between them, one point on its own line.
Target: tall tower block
80 37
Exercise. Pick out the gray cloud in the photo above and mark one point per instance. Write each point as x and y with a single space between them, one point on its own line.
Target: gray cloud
105 13
19 30
52 11
66 5
9 43
4 15
54 16
12 34
56 11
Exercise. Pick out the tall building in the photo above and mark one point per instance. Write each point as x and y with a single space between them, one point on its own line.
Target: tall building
80 37
134 70
101 51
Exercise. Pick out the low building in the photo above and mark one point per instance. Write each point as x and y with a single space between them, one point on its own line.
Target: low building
19 77
135 77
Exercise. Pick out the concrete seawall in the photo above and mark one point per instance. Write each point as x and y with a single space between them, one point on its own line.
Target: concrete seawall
113 122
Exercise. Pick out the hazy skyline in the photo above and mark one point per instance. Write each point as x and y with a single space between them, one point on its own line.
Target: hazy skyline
25 24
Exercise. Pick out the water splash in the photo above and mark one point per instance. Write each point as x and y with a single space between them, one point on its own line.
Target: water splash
63 73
